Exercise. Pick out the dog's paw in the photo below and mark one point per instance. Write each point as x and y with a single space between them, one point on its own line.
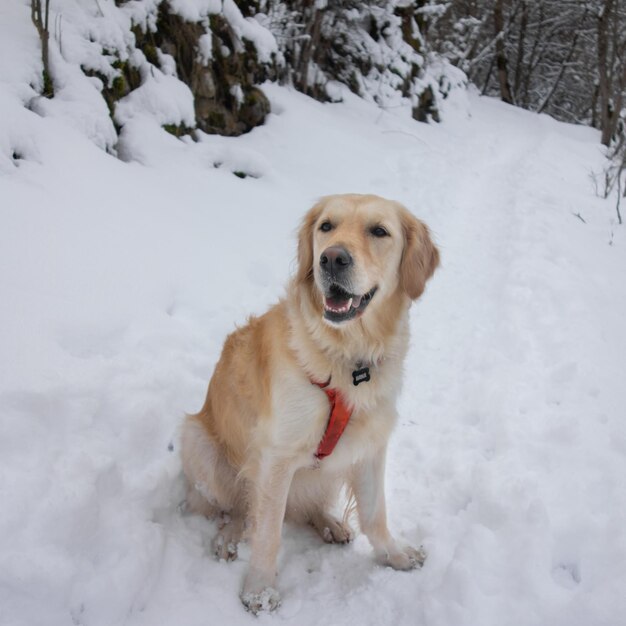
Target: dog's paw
332 530
228 537
337 532
405 558
263 601
223 549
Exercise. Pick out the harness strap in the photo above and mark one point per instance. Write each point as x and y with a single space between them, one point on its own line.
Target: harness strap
338 419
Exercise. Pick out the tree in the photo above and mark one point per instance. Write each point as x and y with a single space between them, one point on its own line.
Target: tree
563 57
611 53
501 63
40 13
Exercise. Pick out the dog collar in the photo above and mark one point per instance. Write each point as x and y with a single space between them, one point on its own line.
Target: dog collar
338 419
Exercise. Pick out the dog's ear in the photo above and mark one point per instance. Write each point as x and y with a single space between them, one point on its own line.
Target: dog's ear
305 244
420 256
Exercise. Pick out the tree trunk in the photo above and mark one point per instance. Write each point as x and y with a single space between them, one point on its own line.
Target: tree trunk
309 46
39 16
503 75
519 65
604 90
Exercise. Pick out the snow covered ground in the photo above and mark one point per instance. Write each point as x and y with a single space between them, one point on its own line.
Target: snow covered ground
119 281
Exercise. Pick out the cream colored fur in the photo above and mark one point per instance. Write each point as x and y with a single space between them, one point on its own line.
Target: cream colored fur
249 454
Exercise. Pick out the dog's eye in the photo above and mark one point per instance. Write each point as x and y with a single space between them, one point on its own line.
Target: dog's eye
379 231
326 226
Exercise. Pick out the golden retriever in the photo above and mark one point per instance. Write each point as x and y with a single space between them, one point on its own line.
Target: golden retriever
252 455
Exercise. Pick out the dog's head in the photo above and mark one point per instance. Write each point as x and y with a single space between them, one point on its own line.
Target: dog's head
355 251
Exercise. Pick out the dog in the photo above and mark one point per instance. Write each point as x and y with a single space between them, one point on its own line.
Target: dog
302 401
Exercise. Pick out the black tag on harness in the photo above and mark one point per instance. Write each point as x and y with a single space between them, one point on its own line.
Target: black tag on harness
360 376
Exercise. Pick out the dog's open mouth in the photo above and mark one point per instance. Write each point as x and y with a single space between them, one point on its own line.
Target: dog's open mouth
341 306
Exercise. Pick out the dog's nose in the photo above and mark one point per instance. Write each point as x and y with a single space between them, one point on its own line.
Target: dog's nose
335 259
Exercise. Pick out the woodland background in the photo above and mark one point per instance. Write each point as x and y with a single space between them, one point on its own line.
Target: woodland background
566 58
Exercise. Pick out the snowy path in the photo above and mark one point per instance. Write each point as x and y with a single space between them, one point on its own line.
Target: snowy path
509 457
517 424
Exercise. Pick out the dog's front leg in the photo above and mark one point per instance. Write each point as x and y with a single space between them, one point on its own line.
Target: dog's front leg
268 512
368 486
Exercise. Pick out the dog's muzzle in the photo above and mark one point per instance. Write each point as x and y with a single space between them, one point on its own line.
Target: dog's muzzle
340 303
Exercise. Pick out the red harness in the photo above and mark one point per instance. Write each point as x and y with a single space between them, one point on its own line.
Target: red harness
338 419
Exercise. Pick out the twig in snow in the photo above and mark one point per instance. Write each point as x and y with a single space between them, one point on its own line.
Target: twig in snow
580 217
402 132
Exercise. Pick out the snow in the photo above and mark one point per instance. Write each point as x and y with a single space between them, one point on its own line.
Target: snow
120 280
77 102
248 28
205 47
194 10
162 97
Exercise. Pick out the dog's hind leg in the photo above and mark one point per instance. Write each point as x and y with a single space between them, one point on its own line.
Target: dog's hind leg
213 489
311 499
198 504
